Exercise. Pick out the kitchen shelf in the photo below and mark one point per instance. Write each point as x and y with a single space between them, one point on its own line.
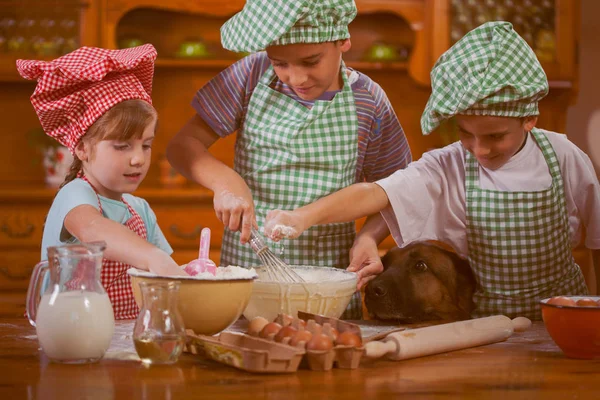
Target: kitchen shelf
222 63
197 63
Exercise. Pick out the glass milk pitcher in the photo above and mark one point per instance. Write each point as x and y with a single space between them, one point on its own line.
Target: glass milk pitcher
73 318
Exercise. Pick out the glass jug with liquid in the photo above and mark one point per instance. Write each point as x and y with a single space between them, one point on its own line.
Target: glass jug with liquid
73 318
159 333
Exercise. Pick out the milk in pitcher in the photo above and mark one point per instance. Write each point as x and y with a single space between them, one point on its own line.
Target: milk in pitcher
75 326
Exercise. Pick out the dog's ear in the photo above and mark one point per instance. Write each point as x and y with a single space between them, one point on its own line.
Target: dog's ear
462 267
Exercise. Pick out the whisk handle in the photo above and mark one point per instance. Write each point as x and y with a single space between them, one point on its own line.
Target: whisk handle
256 241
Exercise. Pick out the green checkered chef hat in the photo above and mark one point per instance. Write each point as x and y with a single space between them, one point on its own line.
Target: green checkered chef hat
263 23
490 71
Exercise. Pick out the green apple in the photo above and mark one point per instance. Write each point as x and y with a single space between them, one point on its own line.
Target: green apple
130 42
192 49
382 52
16 44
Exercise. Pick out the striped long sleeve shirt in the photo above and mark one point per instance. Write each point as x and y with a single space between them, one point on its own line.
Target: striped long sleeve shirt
382 145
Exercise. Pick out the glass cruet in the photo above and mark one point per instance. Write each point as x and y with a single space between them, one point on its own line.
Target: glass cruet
158 333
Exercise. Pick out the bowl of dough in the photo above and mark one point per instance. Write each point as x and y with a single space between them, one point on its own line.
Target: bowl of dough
325 291
208 303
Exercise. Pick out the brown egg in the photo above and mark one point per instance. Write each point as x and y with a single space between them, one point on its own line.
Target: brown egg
319 342
299 323
587 303
270 330
284 319
285 332
348 339
562 301
330 331
313 327
300 336
256 325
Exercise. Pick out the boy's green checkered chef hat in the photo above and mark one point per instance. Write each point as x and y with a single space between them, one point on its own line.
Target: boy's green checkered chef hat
490 71
263 23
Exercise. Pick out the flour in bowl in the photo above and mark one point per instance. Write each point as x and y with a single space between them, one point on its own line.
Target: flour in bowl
231 272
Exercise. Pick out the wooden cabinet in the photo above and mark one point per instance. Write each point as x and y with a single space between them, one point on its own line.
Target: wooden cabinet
549 26
22 214
416 31
44 29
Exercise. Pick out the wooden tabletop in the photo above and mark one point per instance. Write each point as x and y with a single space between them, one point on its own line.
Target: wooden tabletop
527 366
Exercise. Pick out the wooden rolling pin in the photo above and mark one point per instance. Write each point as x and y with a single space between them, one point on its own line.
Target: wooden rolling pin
436 339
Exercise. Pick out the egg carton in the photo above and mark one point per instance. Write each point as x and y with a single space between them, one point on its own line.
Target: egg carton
259 355
245 352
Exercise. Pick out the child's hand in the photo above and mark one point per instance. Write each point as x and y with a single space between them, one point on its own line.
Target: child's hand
283 224
162 264
365 260
236 211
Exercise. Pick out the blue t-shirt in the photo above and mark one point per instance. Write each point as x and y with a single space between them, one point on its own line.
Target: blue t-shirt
79 192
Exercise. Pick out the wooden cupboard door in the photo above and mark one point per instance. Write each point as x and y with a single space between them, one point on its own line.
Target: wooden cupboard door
16 266
182 225
21 226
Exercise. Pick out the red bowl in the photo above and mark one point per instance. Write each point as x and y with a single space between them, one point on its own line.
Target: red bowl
575 329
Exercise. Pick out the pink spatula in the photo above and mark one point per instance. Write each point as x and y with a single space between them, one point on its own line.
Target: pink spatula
202 263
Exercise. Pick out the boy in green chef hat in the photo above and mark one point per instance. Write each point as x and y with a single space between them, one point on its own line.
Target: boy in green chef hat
510 197
306 126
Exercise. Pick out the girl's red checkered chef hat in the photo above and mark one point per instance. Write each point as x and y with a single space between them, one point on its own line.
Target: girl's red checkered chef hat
76 89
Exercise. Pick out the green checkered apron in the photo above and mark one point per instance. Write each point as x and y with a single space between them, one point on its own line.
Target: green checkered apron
291 155
519 243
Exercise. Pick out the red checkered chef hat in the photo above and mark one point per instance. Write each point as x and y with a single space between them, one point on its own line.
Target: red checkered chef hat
76 89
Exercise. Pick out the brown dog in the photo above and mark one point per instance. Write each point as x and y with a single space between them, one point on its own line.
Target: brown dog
421 282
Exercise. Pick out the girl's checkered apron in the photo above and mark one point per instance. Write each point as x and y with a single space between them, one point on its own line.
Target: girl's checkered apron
519 243
291 155
114 277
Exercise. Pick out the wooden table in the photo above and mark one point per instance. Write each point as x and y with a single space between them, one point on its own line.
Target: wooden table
527 366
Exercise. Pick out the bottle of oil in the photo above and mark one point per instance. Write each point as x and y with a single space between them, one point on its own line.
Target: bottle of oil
158 333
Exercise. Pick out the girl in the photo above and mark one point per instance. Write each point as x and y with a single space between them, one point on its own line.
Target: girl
97 103
510 197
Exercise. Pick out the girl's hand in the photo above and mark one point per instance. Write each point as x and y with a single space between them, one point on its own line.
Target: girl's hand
236 211
284 224
365 260
162 264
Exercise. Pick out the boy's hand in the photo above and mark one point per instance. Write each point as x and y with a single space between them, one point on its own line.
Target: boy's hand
236 211
365 260
283 224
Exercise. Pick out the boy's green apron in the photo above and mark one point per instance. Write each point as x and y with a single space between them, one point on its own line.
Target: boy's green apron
291 155
519 243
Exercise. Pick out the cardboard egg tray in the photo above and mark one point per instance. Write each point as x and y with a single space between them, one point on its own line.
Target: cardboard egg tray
260 355
246 352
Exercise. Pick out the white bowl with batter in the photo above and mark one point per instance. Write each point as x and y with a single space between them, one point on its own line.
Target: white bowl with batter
326 291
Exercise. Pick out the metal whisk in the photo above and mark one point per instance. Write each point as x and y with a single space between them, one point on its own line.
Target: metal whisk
277 269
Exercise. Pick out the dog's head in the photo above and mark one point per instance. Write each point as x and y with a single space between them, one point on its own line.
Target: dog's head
421 282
